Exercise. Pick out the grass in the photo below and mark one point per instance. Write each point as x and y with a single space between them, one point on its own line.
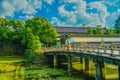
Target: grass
11 59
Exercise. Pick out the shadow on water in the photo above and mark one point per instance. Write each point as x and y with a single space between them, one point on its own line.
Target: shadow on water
88 75
77 73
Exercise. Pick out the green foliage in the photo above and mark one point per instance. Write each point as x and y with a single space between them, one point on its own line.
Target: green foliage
33 42
99 30
17 24
29 54
30 40
14 30
4 22
5 33
117 25
8 29
42 28
89 30
110 32
94 31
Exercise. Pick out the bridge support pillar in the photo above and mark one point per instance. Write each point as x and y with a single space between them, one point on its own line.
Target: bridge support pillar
55 61
81 65
103 70
69 63
99 73
81 60
86 64
119 72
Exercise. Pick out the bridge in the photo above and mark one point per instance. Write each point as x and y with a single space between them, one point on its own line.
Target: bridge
99 54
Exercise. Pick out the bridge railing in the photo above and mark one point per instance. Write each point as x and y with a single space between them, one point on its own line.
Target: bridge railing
91 48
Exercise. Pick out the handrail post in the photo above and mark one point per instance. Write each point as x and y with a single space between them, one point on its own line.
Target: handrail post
98 49
112 50
74 47
85 48
94 49
44 48
105 50
63 47
88 49
68 46
80 48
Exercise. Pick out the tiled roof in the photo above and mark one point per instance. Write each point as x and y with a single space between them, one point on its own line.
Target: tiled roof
71 29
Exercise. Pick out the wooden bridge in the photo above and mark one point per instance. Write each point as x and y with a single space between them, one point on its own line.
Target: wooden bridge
99 54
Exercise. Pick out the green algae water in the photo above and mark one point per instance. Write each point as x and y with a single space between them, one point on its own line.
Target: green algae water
16 68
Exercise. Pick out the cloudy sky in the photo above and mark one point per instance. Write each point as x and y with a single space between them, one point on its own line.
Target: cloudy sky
63 12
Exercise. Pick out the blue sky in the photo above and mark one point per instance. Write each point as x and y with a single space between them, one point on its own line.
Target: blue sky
63 12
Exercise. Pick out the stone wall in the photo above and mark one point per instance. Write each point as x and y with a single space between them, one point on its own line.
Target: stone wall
10 48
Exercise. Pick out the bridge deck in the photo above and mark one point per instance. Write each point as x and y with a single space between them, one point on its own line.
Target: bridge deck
108 54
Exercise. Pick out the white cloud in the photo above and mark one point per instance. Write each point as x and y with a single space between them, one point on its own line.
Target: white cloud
6 9
26 17
9 7
112 17
67 14
70 12
58 22
111 2
50 2
55 21
101 11
31 7
79 14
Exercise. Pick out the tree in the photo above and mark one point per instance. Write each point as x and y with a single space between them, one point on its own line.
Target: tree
110 31
117 25
14 31
30 40
89 30
17 24
5 30
99 30
4 22
42 28
5 34
94 31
